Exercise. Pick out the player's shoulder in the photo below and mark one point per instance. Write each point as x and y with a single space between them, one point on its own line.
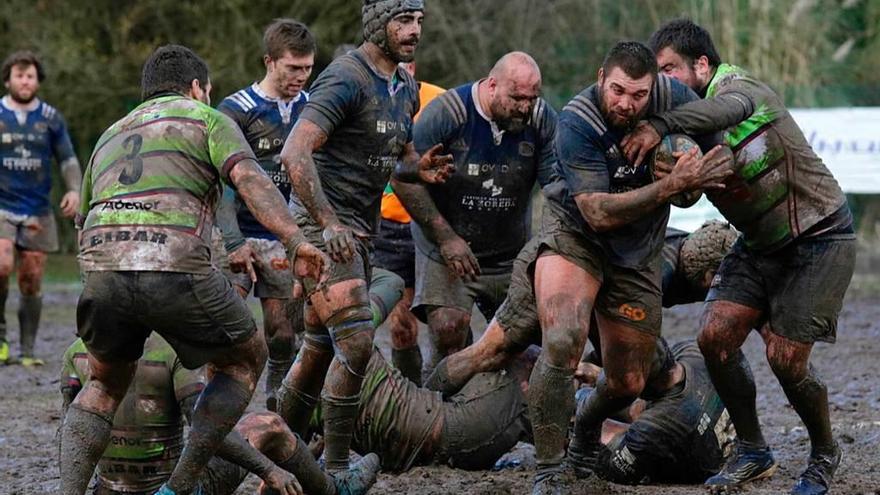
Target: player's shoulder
668 93
451 105
583 112
242 101
543 114
350 67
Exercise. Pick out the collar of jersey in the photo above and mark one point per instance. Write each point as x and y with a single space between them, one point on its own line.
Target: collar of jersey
497 134
33 105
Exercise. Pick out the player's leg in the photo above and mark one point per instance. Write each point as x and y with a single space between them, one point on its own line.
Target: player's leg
405 352
564 292
279 339
31 266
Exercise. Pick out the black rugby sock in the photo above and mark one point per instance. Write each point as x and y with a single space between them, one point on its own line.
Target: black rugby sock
340 414
735 385
409 362
219 407
809 398
4 293
279 362
29 311
302 465
84 436
551 403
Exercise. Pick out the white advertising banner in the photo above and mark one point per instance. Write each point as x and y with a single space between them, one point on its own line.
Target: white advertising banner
847 140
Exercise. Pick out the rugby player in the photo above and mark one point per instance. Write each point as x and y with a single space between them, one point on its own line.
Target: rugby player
265 112
788 273
32 133
600 249
468 230
354 131
149 195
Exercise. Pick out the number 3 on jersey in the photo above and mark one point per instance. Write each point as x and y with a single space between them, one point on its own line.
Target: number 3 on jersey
134 165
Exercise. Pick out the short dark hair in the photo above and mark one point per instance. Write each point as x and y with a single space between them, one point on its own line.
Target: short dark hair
686 39
172 68
634 58
285 35
24 58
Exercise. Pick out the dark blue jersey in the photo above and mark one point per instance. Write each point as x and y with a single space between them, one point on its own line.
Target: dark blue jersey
28 142
590 161
368 121
265 123
486 201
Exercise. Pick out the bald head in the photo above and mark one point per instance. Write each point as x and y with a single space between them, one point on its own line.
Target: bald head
513 86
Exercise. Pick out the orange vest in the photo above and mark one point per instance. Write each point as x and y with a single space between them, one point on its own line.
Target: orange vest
392 209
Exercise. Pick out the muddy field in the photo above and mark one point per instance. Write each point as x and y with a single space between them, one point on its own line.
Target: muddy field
29 410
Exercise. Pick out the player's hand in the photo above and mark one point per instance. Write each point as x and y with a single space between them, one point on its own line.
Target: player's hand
691 172
460 259
341 241
69 204
435 168
639 142
310 263
280 481
662 169
587 373
242 260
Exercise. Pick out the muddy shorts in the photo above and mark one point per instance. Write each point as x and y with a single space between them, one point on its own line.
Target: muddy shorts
518 314
482 422
200 315
274 278
438 285
219 478
799 288
394 250
628 295
31 233
358 268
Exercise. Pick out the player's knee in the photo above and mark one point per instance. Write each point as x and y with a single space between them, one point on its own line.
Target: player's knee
356 351
789 368
449 327
352 331
403 336
561 346
711 346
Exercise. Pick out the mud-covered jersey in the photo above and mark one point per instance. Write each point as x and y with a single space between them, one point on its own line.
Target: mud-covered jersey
147 435
265 122
486 200
153 184
676 288
396 416
590 160
29 141
680 437
780 189
367 118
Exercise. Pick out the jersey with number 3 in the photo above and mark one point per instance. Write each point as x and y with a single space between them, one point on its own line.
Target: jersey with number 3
153 184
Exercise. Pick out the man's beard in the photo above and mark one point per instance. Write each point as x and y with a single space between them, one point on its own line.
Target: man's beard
628 124
511 124
16 97
395 51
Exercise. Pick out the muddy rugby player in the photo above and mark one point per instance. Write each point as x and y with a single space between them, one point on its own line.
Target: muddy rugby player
788 273
468 230
33 133
149 269
147 435
265 112
600 249
355 130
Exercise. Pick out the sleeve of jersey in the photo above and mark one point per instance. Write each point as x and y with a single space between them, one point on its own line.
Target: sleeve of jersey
628 459
226 144
435 126
186 382
333 95
734 103
233 111
85 197
548 120
62 146
580 155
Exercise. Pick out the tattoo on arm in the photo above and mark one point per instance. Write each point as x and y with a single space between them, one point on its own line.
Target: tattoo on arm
72 174
296 156
421 207
263 198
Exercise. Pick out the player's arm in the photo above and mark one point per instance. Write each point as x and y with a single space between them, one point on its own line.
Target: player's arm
547 120
734 103
241 256
62 148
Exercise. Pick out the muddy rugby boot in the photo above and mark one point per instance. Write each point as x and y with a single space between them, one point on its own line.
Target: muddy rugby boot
4 351
31 362
553 480
816 479
359 477
747 464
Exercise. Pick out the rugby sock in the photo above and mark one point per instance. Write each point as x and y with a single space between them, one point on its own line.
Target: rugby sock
302 465
84 436
295 406
551 402
29 311
735 385
409 362
386 289
278 364
300 389
219 407
598 406
340 414
809 398
4 292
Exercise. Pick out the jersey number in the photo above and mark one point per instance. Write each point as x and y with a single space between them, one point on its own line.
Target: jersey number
134 166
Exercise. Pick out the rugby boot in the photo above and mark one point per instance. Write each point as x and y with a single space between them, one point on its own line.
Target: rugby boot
164 490
552 480
816 479
359 477
4 351
30 361
747 464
